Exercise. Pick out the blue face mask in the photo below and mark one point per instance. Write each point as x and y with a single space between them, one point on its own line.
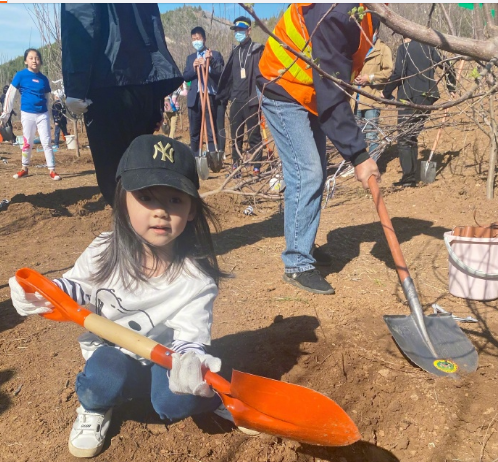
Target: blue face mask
240 36
198 44
374 38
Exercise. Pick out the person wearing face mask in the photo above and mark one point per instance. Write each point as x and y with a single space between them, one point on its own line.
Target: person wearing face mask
238 84
202 52
375 73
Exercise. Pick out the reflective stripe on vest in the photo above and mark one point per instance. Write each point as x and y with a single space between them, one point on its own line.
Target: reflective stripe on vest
289 63
291 72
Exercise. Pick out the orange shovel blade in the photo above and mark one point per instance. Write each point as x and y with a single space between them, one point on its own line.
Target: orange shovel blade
303 414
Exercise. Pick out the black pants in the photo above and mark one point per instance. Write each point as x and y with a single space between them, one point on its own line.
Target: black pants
195 119
117 116
220 125
411 122
242 114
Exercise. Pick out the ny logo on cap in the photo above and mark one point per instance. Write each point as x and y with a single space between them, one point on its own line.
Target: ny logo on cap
165 151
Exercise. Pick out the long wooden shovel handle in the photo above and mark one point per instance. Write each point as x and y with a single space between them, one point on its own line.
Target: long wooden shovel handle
66 309
203 121
392 240
213 131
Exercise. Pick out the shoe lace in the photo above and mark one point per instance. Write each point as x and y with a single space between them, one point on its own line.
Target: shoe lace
89 421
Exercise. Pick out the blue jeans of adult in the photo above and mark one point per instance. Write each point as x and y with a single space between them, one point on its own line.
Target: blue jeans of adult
111 378
301 147
370 129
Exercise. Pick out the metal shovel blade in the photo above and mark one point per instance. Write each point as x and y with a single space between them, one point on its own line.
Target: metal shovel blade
215 161
454 353
6 133
202 167
428 171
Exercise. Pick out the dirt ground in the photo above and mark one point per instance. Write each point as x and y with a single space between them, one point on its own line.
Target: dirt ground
338 345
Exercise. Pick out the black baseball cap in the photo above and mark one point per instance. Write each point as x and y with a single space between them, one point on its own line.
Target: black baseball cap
242 22
156 160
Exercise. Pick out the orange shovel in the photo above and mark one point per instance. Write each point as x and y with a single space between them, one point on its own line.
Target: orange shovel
278 408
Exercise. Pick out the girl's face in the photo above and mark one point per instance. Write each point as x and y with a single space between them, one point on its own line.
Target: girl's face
33 61
159 214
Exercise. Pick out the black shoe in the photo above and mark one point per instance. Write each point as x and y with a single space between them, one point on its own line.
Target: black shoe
311 280
321 257
405 184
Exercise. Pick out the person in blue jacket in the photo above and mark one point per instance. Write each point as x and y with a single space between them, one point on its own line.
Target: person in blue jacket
117 70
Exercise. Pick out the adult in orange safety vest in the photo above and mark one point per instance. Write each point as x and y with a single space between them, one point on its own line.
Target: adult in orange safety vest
302 109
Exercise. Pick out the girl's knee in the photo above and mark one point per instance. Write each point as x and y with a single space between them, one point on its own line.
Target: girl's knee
175 407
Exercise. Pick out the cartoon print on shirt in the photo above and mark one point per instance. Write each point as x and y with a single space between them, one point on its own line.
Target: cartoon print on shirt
106 302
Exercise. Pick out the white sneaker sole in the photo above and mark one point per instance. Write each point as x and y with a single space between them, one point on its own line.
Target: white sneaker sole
78 452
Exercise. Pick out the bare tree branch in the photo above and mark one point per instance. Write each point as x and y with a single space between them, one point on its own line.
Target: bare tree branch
490 21
478 49
351 88
448 20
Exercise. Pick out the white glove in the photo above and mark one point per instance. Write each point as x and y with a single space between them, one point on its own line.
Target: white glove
78 106
27 303
4 118
186 373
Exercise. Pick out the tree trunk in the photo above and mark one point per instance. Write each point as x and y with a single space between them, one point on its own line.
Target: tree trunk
492 155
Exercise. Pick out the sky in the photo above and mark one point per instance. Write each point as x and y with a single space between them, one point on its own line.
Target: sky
18 30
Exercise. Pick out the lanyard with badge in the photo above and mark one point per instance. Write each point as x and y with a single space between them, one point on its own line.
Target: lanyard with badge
243 67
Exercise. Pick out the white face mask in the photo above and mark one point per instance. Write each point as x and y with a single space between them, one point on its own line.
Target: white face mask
240 36
198 44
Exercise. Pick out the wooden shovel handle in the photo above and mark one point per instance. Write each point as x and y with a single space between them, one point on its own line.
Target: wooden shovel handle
66 309
213 131
203 120
392 240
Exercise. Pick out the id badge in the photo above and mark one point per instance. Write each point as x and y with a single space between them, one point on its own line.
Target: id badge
242 73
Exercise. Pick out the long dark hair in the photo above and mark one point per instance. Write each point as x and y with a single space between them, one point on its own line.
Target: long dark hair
124 251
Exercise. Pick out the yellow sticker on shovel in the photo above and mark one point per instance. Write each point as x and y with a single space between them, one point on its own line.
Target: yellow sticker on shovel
446 366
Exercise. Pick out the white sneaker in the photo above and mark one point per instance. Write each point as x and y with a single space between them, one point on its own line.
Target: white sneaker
224 413
88 433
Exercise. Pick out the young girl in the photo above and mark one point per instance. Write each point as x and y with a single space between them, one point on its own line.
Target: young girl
35 91
156 274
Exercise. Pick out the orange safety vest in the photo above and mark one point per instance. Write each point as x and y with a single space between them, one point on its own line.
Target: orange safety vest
296 77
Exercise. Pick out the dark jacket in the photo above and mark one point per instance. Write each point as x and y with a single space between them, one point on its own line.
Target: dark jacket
226 79
190 75
334 44
414 74
113 45
58 113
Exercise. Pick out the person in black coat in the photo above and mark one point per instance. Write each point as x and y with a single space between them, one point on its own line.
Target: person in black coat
193 101
59 116
117 70
414 77
238 84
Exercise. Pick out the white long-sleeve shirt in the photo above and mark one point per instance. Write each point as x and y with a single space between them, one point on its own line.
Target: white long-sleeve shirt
175 314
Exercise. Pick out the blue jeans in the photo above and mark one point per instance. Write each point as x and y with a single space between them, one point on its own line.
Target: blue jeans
371 133
111 378
301 147
57 133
